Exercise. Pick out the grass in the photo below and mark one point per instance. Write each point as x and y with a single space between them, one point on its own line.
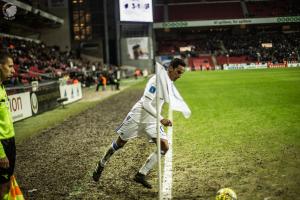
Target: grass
244 133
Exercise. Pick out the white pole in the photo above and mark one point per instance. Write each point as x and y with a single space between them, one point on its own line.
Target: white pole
167 178
158 133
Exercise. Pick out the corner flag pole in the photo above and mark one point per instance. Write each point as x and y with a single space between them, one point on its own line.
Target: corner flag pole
158 133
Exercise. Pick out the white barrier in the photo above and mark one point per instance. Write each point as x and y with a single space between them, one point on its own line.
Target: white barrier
245 66
72 92
20 106
259 66
293 64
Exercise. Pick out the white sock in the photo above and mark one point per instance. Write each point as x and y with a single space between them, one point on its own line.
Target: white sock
149 164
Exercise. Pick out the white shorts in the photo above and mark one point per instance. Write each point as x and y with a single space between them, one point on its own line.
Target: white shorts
130 129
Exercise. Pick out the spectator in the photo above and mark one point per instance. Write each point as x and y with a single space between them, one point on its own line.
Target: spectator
101 82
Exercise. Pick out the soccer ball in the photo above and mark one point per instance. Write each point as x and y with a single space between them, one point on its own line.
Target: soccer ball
226 194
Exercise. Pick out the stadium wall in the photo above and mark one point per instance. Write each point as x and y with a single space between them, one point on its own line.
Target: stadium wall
59 36
28 102
20 106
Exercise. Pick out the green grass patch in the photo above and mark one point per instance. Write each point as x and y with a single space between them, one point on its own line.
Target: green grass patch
244 133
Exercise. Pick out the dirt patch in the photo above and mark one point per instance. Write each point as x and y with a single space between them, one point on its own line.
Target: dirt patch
91 95
57 164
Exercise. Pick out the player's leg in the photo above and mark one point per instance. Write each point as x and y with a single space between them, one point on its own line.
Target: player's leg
151 161
115 146
97 87
4 189
5 174
127 130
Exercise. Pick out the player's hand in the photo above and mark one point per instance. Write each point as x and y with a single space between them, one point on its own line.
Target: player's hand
4 163
166 122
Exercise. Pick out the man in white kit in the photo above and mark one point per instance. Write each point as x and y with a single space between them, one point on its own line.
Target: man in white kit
142 120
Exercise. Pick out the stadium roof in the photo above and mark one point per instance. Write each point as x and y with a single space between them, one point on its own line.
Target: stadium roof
35 11
200 1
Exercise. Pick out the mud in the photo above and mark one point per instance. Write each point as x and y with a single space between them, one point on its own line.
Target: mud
58 163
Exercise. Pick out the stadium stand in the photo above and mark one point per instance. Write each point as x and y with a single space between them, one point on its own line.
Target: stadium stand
208 46
242 47
204 11
35 61
219 45
32 59
273 8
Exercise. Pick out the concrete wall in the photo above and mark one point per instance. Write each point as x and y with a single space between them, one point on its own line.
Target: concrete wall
59 36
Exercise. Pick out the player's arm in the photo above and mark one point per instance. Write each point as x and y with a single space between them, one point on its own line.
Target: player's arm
152 111
147 105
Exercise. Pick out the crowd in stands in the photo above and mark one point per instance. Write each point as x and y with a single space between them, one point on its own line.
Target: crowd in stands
248 45
273 8
38 62
34 61
263 46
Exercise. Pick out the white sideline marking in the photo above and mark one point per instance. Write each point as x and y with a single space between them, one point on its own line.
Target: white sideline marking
167 179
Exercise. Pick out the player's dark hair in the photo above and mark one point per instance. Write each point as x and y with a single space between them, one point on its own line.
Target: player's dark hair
176 62
3 57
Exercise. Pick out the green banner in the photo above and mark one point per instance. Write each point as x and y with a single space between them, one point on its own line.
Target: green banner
178 24
227 22
288 19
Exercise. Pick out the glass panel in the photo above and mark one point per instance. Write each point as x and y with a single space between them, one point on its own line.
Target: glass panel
88 30
88 17
77 37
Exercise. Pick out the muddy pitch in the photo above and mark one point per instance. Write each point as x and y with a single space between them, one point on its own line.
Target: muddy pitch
58 163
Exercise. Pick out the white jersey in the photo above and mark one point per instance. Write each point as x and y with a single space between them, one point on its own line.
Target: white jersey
138 113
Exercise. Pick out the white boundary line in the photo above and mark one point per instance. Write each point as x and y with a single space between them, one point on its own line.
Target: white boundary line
167 179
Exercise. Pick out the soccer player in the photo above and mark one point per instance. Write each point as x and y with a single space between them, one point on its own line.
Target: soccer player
7 134
142 120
